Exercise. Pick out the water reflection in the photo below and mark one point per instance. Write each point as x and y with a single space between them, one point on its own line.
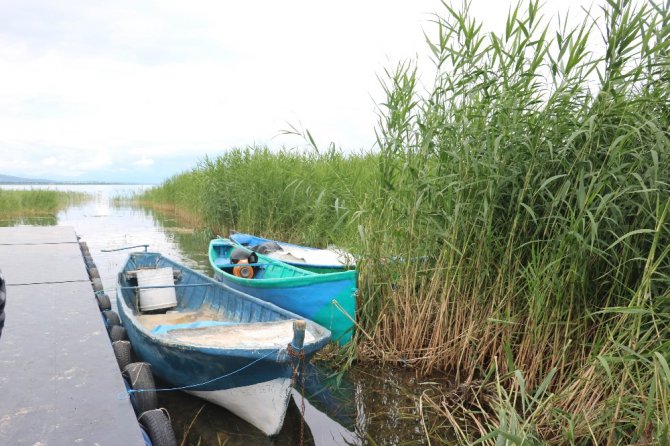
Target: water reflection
353 408
31 221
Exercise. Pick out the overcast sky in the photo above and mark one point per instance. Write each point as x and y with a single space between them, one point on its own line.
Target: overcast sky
138 90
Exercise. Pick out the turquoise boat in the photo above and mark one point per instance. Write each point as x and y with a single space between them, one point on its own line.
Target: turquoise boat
328 299
330 260
212 341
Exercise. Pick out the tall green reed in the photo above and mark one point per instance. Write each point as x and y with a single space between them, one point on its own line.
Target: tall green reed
36 201
534 177
308 197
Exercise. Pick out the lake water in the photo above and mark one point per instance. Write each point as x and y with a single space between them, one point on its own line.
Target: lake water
365 405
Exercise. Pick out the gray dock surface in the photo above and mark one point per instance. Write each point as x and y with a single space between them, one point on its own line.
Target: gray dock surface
59 381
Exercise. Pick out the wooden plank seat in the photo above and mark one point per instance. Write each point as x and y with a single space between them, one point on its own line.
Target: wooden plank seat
133 274
240 336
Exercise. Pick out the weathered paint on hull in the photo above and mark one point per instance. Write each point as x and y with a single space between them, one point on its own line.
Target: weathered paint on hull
327 299
262 405
181 366
330 304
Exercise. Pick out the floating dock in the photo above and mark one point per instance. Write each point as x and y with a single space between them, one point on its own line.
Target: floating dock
59 380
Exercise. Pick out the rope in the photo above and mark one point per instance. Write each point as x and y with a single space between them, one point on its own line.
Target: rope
163 286
230 265
127 247
37 243
48 283
172 389
300 355
162 409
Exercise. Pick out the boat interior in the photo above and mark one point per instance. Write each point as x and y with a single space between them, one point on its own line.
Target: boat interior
188 307
265 268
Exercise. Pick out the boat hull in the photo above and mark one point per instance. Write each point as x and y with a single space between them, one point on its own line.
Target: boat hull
327 299
265 383
331 304
239 359
263 404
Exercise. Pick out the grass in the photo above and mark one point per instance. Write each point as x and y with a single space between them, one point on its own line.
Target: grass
513 224
34 202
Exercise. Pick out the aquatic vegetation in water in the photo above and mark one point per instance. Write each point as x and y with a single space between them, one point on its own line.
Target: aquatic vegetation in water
34 202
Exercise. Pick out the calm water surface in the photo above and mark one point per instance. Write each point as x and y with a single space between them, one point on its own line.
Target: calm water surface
366 405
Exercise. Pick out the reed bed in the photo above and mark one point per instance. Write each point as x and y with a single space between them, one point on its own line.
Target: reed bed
513 225
309 197
34 202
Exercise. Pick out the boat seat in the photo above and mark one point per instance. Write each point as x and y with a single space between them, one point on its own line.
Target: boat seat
132 274
225 263
222 263
276 334
160 293
165 328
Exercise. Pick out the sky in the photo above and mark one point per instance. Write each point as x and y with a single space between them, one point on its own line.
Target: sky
140 90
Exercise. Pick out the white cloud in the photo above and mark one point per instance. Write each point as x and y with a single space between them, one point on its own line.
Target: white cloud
143 162
85 87
71 163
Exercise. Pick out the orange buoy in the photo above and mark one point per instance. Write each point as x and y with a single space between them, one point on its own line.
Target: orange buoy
243 269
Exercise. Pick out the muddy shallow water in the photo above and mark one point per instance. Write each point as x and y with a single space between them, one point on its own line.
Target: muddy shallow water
365 405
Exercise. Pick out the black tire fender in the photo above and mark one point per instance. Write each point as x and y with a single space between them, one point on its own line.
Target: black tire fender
157 425
123 353
96 283
83 246
93 273
118 333
139 376
103 302
111 318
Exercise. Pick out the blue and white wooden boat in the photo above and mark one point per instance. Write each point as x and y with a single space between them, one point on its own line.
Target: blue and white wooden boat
328 299
212 341
312 259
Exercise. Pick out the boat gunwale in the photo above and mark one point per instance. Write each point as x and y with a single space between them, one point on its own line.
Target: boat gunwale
307 278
